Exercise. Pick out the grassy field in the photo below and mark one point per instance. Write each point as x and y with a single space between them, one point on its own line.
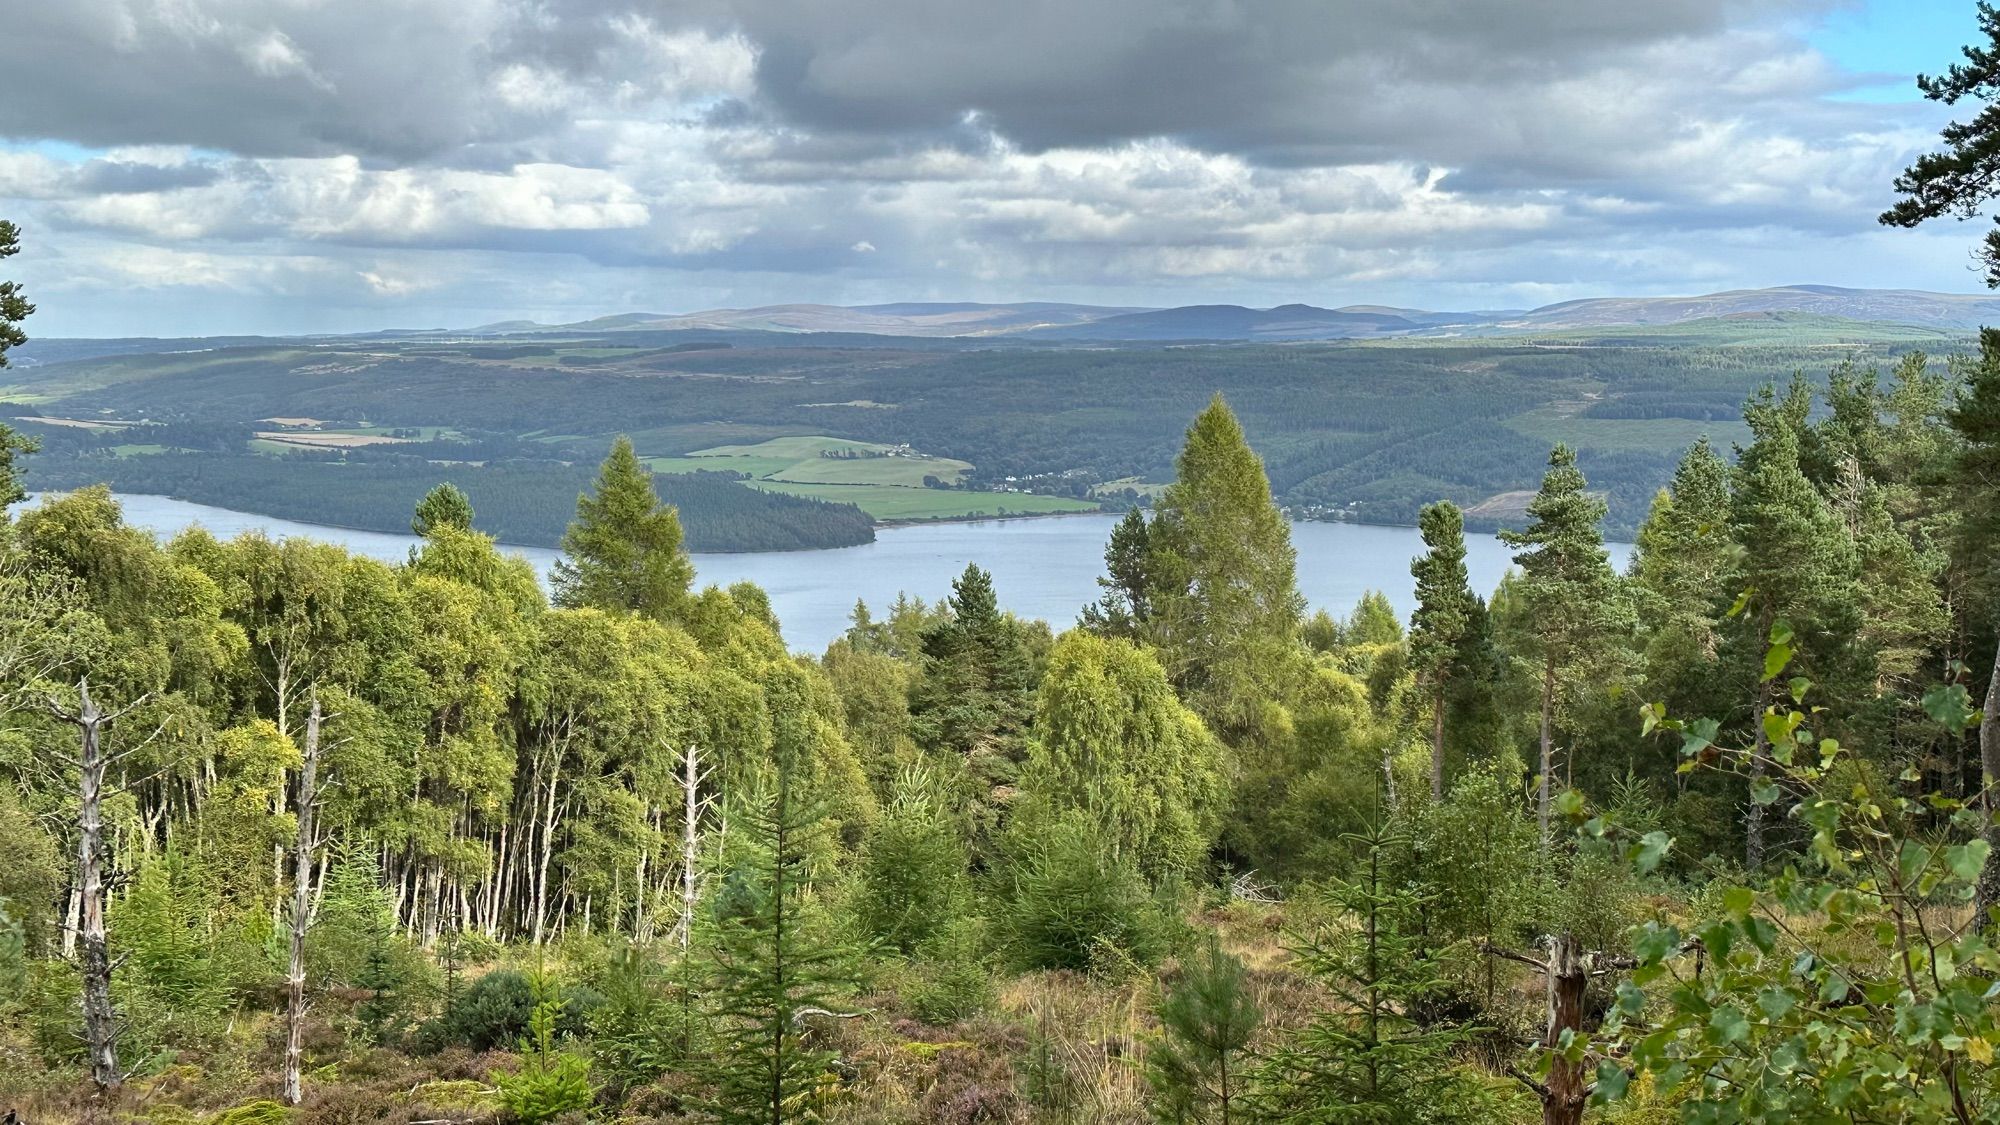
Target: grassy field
1560 422
891 502
799 460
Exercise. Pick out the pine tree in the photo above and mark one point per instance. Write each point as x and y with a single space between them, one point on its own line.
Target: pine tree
1196 1065
1799 572
443 506
1367 1060
14 306
1127 604
1443 620
1571 595
1976 476
1225 607
776 965
623 550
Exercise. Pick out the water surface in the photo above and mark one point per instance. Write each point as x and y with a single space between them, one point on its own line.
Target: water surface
1045 568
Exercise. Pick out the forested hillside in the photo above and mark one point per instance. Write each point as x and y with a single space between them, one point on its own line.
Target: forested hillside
294 835
1369 432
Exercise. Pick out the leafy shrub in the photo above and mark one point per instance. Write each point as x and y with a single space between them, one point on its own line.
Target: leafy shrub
495 1010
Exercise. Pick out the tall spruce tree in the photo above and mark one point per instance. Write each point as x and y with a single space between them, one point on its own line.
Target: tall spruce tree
1225 608
777 962
976 694
1571 594
623 550
1976 476
1444 619
1799 573
1683 573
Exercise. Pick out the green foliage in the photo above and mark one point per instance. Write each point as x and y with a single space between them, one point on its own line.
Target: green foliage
1072 903
647 1024
551 1081
914 882
975 697
1197 1064
14 308
1954 181
623 551
1842 987
776 961
443 506
1113 742
496 1009
1367 1059
1226 610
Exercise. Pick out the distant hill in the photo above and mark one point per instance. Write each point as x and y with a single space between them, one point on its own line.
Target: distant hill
1234 322
961 318
1054 321
1893 306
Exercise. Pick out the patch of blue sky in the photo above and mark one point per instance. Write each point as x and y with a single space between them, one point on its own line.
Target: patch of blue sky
1885 44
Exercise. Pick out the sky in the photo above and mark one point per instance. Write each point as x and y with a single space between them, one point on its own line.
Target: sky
191 167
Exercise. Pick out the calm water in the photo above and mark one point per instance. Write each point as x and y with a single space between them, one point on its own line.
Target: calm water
1046 568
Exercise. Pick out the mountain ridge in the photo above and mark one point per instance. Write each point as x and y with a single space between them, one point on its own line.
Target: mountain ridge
1063 321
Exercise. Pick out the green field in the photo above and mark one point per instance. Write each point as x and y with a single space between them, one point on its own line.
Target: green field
800 460
890 502
1560 422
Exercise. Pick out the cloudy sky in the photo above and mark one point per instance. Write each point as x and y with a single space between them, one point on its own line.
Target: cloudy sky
200 166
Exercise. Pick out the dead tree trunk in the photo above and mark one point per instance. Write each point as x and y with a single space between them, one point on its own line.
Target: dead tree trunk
1989 769
1760 757
693 804
100 1020
302 853
1566 973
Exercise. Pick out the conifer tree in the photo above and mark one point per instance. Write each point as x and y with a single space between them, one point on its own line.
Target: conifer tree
14 308
976 694
1367 1060
1799 576
1226 608
1197 1064
1127 604
1683 571
1571 595
1976 475
623 550
1444 618
443 506
776 965
914 881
